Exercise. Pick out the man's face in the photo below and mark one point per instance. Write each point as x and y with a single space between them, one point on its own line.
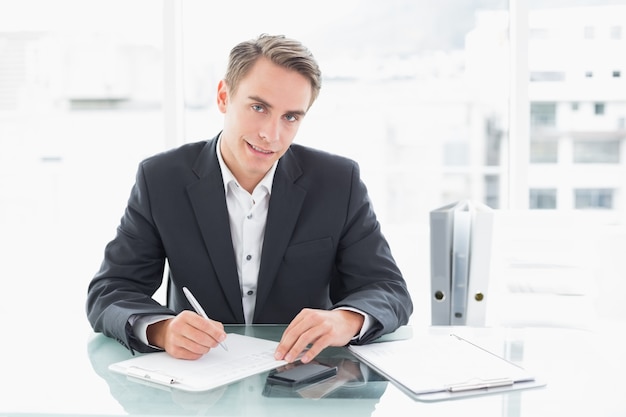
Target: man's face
261 119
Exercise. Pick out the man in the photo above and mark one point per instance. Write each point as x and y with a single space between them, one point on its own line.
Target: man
260 230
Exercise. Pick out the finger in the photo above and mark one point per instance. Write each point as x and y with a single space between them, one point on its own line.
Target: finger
290 336
187 335
211 328
186 349
182 336
180 346
206 332
314 349
313 339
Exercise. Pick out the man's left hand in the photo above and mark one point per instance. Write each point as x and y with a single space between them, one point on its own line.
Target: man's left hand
317 329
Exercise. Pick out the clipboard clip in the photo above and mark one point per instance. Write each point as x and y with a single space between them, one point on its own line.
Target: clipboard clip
480 384
151 376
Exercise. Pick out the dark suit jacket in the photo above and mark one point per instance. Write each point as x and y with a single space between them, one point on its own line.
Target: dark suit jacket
323 247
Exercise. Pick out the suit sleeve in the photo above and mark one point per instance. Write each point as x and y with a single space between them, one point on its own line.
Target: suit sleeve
131 272
368 278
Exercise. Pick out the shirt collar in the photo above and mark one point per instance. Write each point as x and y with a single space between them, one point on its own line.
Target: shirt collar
228 177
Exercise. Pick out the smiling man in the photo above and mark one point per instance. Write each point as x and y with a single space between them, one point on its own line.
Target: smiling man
261 230
261 118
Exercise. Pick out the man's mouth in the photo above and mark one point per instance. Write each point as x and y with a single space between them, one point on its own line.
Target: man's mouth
257 149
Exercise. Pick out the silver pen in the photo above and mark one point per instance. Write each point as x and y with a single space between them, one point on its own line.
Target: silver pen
196 306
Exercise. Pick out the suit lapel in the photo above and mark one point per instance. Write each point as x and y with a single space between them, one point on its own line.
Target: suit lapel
284 208
209 204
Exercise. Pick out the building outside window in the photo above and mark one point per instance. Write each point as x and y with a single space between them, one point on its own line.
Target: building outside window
544 151
542 114
600 198
542 198
578 120
599 109
588 151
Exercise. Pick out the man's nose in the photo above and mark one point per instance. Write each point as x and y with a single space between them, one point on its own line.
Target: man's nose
270 130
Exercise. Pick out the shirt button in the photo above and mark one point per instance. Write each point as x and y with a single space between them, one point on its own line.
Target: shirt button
250 292
248 257
249 216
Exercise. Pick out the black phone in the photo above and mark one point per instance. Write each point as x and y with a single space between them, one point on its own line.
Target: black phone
302 374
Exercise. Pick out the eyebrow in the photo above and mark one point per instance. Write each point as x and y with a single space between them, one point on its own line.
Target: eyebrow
269 106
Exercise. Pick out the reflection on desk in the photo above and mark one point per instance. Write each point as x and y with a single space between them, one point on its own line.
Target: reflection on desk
584 369
358 387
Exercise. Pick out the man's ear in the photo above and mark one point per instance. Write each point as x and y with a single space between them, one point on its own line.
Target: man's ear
222 96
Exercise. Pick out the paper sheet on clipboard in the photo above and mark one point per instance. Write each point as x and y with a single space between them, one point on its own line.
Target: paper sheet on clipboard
246 356
439 367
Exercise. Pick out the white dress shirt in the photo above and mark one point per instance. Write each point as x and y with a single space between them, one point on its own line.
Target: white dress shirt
247 214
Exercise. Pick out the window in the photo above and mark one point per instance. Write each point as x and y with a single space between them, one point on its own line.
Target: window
616 32
447 85
573 123
495 135
547 76
543 114
432 112
80 105
492 187
544 151
542 198
593 198
456 153
539 33
597 151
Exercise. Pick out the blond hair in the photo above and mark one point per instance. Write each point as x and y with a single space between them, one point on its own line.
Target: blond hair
282 51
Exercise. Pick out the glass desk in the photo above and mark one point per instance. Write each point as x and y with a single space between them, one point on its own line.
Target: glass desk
585 372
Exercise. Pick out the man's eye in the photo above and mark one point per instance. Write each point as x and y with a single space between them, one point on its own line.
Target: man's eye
257 108
291 117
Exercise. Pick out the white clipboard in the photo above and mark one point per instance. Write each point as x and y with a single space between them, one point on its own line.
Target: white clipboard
442 367
246 356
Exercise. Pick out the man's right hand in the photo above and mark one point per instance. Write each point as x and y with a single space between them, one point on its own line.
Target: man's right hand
186 336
